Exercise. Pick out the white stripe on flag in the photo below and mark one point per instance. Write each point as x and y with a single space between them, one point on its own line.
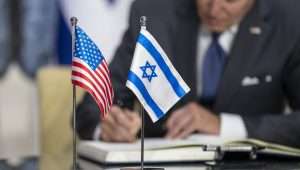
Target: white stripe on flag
166 59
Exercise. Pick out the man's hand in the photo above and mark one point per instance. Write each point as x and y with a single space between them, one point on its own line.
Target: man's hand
191 118
120 125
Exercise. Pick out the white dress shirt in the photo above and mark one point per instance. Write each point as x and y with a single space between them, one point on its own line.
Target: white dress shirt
232 125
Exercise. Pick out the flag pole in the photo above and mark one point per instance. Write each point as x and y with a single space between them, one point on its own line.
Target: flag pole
143 22
74 23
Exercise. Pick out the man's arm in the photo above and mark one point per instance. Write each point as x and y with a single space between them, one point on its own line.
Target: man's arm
87 117
193 118
283 129
120 125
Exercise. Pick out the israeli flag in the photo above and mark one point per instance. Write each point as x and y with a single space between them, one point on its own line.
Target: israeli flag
153 79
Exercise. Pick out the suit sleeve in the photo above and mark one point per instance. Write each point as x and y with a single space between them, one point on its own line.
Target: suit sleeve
87 117
88 114
283 129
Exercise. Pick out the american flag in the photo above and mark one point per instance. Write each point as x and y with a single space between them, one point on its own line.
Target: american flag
90 71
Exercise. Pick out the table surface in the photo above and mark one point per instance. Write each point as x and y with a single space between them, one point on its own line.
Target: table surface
225 165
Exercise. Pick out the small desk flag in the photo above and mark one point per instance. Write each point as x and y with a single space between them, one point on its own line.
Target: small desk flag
153 79
90 71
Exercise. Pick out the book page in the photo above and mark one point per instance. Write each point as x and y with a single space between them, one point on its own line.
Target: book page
158 143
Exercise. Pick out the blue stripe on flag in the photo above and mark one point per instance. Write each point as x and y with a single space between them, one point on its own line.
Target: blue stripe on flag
162 64
140 86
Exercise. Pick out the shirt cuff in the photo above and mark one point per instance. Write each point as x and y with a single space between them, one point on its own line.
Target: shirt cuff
232 127
97 133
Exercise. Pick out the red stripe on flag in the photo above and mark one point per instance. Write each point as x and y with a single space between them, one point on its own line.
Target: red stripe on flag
106 82
96 91
108 78
108 75
82 85
96 78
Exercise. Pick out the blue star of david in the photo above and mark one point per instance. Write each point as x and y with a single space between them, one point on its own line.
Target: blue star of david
148 71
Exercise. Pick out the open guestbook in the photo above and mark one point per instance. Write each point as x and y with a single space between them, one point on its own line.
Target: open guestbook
197 148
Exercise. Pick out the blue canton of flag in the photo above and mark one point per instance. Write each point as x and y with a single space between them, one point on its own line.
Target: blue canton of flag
90 71
153 79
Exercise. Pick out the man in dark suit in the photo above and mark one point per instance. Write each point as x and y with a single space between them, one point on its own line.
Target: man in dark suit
241 59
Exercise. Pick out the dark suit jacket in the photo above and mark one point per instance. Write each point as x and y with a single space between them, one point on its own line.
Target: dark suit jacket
274 52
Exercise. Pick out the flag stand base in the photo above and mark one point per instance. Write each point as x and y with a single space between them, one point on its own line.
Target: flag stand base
143 168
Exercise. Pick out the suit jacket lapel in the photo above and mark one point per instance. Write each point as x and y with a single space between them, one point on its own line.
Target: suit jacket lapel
249 42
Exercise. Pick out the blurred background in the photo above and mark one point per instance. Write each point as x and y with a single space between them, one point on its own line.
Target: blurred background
35 85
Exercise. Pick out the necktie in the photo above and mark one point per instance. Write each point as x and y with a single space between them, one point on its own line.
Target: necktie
213 65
